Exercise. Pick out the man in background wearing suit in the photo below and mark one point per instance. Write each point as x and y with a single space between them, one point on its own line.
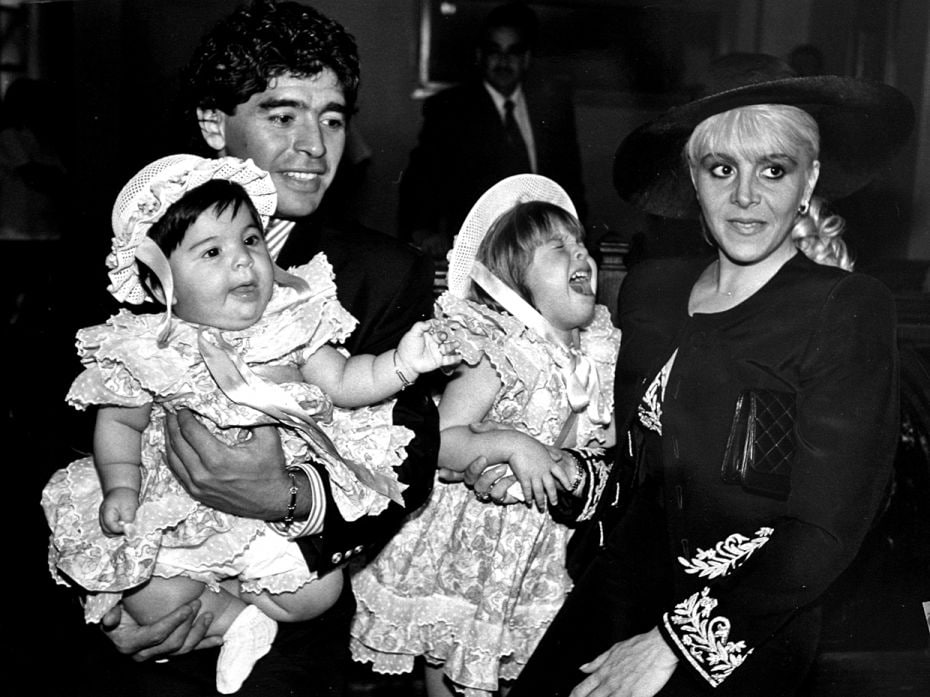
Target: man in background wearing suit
479 132
277 83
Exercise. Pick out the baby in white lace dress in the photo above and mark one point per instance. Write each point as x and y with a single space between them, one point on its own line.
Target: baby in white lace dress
123 528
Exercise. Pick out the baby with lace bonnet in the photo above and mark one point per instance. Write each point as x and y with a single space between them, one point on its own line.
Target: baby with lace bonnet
188 233
473 578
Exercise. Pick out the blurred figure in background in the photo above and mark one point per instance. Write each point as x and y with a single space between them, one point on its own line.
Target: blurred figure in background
489 128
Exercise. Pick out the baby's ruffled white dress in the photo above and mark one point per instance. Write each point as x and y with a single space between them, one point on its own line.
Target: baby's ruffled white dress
173 534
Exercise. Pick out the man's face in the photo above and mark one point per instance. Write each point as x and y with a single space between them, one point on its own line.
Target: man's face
295 129
504 59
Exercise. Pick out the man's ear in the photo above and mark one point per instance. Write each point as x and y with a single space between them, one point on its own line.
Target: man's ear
213 128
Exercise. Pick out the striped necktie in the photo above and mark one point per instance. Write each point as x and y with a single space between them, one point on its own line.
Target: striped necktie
276 235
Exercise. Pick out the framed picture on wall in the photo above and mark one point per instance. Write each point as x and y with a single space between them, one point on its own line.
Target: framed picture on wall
646 47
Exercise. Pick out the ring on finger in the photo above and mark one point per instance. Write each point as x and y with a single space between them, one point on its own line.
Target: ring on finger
499 479
484 497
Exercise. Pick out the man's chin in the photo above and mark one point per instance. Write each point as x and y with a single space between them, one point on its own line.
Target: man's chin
292 210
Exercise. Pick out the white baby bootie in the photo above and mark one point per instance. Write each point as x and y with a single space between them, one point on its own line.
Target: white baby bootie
248 638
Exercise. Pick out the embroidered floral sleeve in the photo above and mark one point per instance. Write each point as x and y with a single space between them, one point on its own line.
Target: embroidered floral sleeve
597 471
695 627
703 638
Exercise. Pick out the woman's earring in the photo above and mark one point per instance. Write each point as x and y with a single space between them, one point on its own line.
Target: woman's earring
803 208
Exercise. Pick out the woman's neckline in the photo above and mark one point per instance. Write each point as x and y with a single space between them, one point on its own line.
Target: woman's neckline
739 299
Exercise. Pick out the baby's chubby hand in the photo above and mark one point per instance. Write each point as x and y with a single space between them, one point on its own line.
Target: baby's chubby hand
426 347
118 511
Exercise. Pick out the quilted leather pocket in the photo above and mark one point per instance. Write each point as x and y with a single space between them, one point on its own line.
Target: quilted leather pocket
761 448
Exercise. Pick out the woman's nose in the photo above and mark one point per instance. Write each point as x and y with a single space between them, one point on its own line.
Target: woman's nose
745 194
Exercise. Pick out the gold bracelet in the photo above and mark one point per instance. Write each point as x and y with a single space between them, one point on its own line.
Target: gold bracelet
292 503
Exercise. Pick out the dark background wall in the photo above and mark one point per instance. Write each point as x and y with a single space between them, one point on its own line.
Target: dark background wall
627 60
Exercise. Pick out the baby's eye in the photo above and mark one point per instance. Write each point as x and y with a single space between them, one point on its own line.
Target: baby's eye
721 170
211 252
253 240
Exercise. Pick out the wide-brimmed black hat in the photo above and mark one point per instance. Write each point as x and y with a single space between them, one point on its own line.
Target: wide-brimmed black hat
863 124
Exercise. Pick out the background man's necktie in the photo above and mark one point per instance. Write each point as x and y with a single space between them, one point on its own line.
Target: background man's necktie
517 158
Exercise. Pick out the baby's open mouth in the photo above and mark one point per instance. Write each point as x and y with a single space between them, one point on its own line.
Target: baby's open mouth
580 282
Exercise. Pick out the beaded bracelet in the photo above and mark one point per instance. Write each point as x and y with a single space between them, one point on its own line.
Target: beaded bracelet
292 503
579 474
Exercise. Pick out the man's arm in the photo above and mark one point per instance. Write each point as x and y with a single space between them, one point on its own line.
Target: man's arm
247 480
341 540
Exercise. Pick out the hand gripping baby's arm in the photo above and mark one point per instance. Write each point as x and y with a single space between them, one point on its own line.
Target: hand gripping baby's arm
118 458
467 400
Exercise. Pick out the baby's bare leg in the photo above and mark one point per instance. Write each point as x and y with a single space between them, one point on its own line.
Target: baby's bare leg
161 595
307 602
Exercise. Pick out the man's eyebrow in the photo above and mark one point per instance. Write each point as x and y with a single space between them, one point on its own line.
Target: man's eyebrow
284 103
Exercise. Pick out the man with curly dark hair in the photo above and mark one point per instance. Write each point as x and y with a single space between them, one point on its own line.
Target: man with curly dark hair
277 83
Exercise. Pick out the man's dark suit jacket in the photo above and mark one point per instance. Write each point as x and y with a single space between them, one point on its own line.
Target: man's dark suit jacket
458 155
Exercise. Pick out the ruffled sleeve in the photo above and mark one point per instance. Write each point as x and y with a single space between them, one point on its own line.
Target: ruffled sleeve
512 350
124 366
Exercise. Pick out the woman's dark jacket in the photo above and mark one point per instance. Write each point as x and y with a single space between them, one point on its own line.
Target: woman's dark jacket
745 563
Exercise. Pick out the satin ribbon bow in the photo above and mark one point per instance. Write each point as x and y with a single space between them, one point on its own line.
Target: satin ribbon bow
243 386
583 386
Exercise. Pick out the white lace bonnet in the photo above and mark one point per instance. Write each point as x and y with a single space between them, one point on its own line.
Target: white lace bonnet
146 197
493 203
500 198
580 374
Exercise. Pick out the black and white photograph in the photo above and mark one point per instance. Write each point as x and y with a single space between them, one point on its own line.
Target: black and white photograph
467 348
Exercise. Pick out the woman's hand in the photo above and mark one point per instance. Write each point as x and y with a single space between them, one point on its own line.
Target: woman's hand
637 667
531 464
528 459
247 479
178 632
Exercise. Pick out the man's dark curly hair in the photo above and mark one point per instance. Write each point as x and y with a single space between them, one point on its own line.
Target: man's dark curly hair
262 41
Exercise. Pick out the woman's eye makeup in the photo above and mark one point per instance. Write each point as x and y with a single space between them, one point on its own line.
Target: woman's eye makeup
774 172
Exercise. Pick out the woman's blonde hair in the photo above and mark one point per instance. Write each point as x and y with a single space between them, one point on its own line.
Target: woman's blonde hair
761 129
